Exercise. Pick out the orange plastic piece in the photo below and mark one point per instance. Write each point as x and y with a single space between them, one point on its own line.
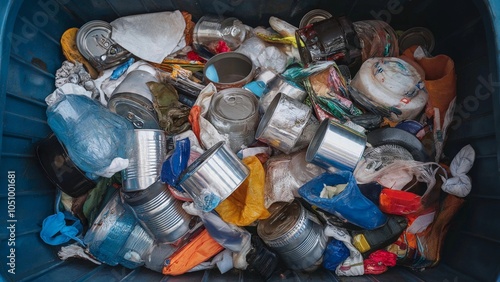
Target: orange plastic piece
200 249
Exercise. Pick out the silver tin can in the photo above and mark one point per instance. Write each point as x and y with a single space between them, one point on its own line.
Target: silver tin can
159 212
211 29
283 123
115 237
133 100
94 42
145 160
295 234
233 112
215 175
313 16
280 85
229 70
420 36
336 145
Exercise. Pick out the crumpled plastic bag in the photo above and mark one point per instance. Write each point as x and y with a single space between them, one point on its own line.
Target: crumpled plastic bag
97 140
206 133
336 252
460 184
176 163
246 204
350 204
263 54
353 265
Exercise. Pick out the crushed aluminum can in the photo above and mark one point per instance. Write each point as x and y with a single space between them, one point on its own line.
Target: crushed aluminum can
283 123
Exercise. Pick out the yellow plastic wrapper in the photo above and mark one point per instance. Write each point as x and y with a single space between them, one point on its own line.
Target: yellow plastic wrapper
246 204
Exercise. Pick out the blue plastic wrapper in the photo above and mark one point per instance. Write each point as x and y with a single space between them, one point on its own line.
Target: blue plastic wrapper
176 163
350 204
92 135
336 252
121 69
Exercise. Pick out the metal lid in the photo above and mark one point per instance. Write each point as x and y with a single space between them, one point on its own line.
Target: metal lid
420 36
314 16
94 42
284 225
234 104
136 109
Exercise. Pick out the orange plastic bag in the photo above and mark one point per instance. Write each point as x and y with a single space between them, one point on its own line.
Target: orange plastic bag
194 119
246 204
200 249
440 81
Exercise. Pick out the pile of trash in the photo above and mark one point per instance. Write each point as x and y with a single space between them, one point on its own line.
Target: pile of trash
182 146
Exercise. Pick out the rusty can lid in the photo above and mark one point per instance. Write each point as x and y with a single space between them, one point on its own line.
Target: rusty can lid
136 109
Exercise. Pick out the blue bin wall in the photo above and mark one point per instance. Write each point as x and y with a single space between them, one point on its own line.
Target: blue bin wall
30 53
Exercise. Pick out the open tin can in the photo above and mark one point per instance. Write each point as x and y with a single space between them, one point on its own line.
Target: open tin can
283 123
229 70
233 112
336 145
215 175
330 39
145 160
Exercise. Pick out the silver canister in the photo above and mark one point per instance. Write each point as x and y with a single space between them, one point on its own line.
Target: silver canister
283 123
336 145
94 42
229 70
159 212
145 159
233 112
280 85
295 234
133 100
215 175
